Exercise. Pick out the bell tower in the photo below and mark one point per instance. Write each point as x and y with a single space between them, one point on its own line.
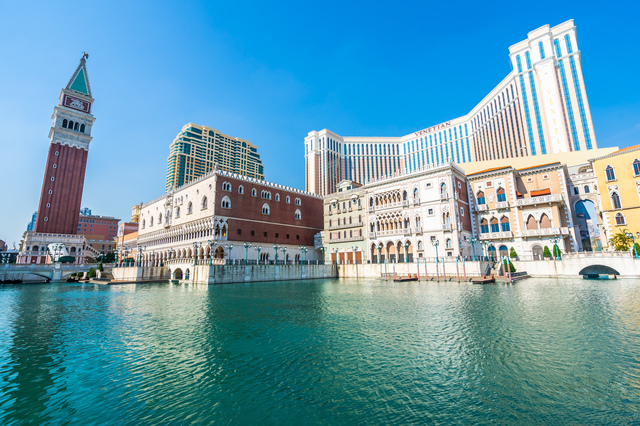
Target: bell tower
70 136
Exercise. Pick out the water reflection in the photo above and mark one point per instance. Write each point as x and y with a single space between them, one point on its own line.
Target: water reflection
323 351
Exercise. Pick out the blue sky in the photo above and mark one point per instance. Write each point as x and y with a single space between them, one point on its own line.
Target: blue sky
270 73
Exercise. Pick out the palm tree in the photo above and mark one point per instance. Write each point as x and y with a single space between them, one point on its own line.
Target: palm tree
620 241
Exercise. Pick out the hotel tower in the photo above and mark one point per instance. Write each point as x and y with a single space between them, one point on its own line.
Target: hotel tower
539 108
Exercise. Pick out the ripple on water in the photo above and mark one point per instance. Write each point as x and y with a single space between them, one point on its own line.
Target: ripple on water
339 352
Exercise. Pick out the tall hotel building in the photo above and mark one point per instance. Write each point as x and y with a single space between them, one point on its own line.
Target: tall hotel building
539 108
197 150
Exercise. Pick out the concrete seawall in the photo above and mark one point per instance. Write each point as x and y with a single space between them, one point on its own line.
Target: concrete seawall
224 274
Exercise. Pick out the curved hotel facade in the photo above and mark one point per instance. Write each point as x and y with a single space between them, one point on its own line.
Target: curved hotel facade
540 108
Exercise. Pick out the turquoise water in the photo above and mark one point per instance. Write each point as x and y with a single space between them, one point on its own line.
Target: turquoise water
321 352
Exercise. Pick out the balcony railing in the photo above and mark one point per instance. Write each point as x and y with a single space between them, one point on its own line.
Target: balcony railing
483 207
497 235
416 201
544 232
444 196
502 205
401 231
344 239
346 225
418 229
446 226
551 198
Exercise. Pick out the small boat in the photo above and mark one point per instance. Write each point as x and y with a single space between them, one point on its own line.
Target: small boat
484 280
407 278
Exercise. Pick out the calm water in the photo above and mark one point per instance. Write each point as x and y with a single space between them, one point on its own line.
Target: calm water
339 352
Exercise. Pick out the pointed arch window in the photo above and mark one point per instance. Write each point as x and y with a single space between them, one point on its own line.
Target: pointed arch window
484 226
277 197
611 174
151 221
226 202
494 225
189 208
177 212
620 220
297 215
205 203
64 123
288 201
504 224
443 190
241 189
636 167
481 198
502 196
266 209
615 200
254 193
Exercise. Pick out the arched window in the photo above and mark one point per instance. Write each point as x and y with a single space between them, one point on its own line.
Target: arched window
532 223
484 226
443 190
611 174
495 227
266 209
419 244
504 224
371 201
177 212
586 189
75 126
288 200
545 222
160 219
205 203
620 219
636 167
297 215
64 123
447 243
226 186
226 202
144 222
404 195
541 47
481 199
151 221
241 189
298 202
415 193
189 208
502 196
277 197
615 200
82 128
70 125
576 190
254 193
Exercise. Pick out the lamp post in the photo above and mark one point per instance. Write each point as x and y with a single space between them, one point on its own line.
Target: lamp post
229 248
633 241
276 247
153 258
303 251
246 252
379 251
485 249
435 243
322 249
212 246
195 253
258 248
336 250
406 252
555 240
284 255
355 249
171 251
474 240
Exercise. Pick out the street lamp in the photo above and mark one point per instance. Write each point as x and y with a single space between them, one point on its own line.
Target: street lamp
284 255
474 240
336 250
258 248
379 250
355 249
276 247
435 243
303 250
246 252
115 258
140 248
195 253
485 248
406 252
229 248
555 240
212 246
630 235
322 249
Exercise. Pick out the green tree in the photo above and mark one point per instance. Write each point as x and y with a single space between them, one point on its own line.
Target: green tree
546 252
100 267
512 268
91 273
620 241
513 253
638 249
556 251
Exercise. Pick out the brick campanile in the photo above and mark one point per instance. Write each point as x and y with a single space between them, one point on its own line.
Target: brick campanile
70 136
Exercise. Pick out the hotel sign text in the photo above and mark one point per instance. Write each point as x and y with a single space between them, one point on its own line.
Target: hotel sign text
433 129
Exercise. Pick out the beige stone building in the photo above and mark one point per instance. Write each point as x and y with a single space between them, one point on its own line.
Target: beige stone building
344 224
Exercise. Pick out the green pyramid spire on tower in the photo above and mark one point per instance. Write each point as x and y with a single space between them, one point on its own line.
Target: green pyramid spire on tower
79 81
